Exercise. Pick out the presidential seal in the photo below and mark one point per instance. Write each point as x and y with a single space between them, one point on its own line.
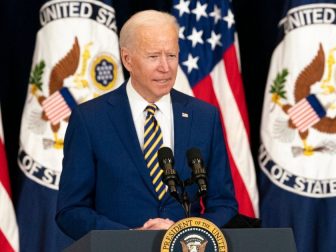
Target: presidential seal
194 235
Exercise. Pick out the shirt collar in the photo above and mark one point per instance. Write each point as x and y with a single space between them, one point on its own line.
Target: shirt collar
138 103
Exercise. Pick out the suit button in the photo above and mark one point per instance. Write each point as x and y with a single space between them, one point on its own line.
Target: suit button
162 209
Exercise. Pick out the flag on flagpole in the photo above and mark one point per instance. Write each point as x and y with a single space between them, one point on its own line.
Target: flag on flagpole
76 58
209 70
298 131
9 235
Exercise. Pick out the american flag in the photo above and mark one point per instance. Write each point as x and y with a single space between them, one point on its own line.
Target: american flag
9 237
58 106
306 113
209 67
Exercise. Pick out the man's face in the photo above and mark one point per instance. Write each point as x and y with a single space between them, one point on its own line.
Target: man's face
152 61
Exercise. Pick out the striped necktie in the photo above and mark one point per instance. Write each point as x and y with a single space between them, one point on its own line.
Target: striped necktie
152 143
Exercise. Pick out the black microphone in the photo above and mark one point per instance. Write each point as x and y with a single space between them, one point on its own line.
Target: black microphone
169 175
195 162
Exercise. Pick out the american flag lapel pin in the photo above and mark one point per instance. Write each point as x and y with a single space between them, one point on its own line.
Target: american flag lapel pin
185 115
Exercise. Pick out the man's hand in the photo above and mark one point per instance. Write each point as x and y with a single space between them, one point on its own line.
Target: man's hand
157 224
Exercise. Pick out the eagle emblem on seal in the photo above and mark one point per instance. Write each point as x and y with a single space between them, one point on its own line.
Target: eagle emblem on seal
53 110
314 106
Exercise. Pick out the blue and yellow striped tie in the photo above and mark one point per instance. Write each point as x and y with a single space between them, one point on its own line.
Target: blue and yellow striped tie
152 143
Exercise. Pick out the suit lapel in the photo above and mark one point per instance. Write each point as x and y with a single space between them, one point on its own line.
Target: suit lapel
121 117
125 128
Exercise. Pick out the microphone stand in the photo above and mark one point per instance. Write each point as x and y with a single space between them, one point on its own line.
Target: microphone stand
183 197
184 200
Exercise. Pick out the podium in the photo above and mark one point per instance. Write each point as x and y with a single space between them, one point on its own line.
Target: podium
238 240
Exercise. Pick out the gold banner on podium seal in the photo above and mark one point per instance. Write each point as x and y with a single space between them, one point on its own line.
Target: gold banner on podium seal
194 235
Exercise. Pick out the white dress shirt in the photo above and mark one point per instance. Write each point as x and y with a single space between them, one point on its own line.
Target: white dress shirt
164 115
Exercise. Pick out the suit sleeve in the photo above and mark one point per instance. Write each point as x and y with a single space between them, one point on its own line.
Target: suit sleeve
76 213
220 202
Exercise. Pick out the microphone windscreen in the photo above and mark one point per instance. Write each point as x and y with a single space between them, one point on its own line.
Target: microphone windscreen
192 154
164 154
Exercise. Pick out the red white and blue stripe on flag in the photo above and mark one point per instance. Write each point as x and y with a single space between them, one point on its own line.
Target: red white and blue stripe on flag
58 106
9 235
306 112
208 60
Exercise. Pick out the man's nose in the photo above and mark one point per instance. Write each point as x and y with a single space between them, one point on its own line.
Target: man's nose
164 66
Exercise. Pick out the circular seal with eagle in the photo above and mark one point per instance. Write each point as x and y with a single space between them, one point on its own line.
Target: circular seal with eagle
194 235
298 130
76 59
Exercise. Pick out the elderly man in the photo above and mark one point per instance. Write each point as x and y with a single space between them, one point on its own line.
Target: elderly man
111 178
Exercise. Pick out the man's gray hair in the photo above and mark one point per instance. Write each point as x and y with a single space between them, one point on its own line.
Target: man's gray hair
145 18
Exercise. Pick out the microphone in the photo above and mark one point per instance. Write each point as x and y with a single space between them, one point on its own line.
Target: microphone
195 162
169 175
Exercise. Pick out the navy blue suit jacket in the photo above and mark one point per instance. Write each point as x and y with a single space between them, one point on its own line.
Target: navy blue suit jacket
105 183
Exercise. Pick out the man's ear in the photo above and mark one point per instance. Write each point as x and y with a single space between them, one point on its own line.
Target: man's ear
126 58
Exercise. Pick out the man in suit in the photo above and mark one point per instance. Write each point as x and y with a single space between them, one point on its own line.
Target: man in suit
110 177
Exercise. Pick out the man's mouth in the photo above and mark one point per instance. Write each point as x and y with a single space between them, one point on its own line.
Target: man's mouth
162 81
